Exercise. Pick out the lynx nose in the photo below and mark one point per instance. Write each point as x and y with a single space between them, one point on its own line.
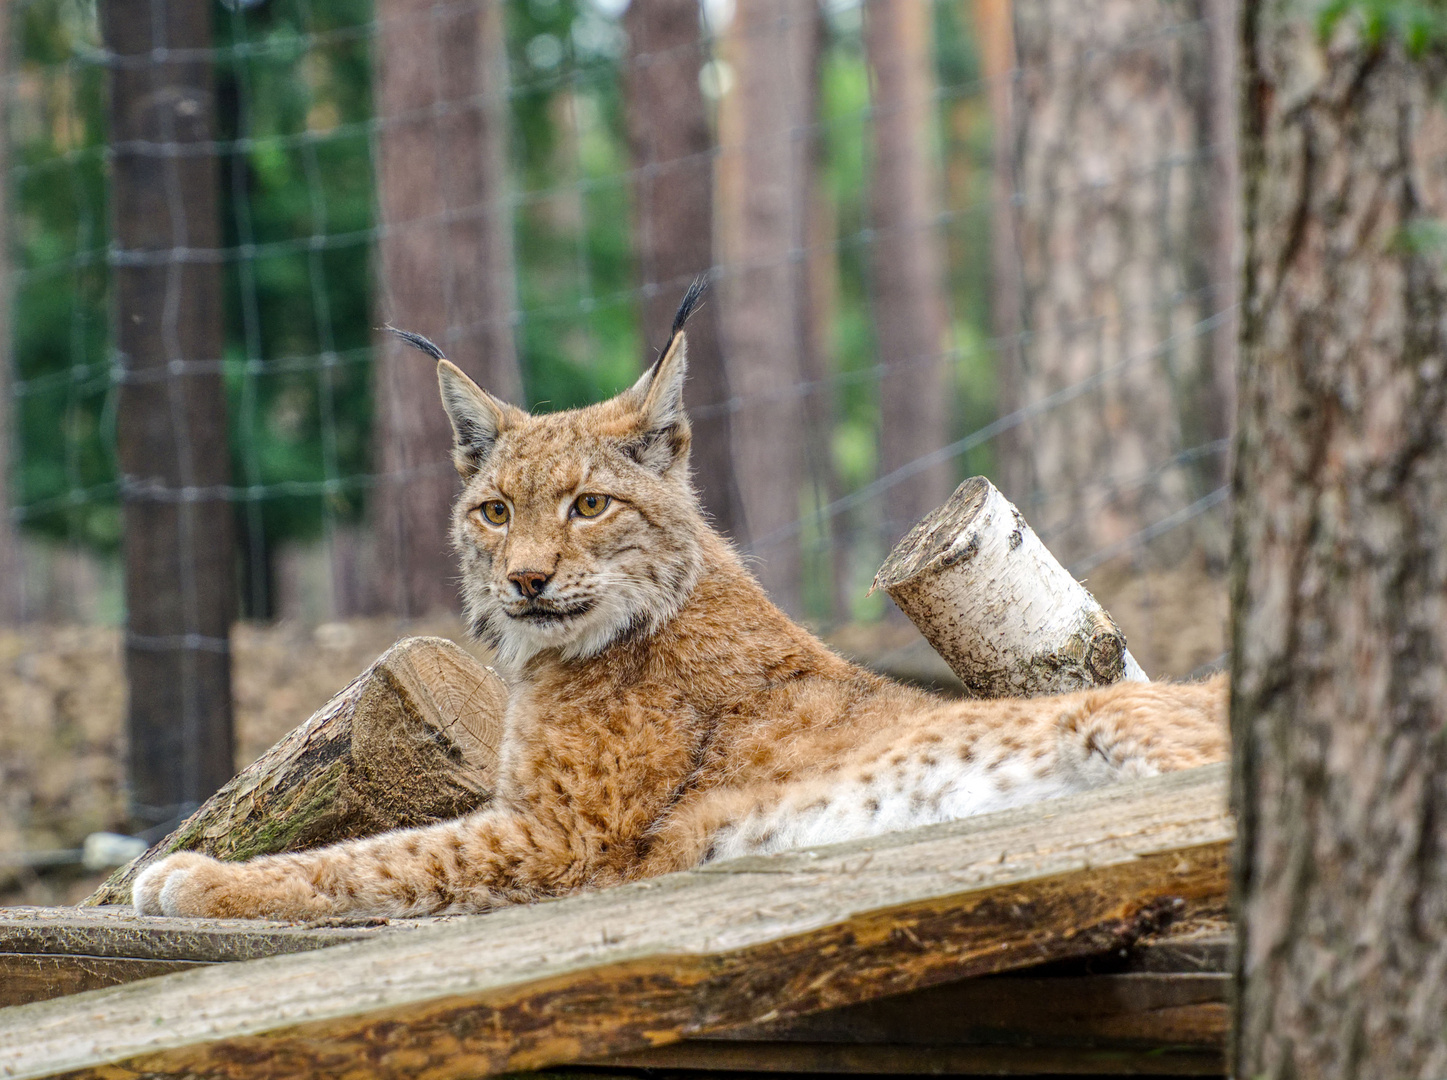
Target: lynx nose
529 582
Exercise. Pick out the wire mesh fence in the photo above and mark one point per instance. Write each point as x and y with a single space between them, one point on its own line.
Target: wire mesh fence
945 238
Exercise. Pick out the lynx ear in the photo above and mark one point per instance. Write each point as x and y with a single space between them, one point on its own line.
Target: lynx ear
665 430
477 417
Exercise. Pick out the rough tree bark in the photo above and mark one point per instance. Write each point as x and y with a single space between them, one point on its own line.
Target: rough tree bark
410 741
1339 693
673 163
171 441
446 268
1112 149
997 606
762 210
907 264
12 577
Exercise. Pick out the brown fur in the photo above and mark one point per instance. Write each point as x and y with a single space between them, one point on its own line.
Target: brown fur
663 711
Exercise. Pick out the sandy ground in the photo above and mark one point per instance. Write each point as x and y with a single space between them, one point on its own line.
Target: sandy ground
62 699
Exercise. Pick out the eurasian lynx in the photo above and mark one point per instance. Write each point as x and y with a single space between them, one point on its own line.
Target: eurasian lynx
663 713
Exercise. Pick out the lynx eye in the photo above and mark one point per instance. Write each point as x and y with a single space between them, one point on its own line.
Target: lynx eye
589 506
495 511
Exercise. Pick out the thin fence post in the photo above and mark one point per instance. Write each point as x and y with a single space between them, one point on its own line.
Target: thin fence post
171 421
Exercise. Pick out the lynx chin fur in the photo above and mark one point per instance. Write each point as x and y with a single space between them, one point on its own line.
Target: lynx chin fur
663 713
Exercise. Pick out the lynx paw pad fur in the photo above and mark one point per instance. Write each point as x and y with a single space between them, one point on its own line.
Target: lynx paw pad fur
170 886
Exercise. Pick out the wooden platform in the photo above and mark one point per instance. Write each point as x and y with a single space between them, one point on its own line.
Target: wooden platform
1082 936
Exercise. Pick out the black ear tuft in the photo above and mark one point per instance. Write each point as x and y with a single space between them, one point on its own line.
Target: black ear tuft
417 341
663 432
689 304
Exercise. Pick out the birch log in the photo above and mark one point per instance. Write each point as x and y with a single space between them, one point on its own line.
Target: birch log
997 606
410 741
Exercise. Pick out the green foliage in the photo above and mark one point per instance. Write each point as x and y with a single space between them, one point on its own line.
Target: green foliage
293 91
579 339
64 405
1421 25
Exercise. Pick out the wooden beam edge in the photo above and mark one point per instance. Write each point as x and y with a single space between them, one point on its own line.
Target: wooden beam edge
633 1004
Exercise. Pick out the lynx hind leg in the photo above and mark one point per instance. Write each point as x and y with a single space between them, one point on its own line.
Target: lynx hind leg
1134 730
709 827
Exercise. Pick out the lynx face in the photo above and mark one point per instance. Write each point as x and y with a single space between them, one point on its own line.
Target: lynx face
576 527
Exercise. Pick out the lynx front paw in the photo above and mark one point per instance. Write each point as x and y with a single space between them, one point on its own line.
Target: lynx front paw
170 886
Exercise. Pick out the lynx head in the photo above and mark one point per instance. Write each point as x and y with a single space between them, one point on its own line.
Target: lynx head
577 527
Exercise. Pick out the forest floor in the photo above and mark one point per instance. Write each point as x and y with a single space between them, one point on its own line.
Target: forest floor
62 699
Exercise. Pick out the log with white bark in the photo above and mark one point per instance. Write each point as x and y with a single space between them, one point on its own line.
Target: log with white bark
997 606
410 741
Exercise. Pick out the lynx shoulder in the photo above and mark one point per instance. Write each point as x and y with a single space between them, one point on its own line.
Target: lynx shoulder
663 712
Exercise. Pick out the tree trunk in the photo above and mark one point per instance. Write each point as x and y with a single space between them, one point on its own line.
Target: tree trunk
1339 699
672 157
412 740
994 22
907 284
12 574
446 268
762 215
1223 119
1116 235
996 605
171 442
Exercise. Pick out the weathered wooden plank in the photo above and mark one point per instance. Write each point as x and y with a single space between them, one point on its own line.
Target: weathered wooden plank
27 977
118 932
684 955
1155 1009
706 1056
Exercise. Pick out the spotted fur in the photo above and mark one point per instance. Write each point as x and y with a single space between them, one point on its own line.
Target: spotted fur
663 713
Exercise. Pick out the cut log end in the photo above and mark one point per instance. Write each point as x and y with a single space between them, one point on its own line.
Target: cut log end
411 741
997 606
939 540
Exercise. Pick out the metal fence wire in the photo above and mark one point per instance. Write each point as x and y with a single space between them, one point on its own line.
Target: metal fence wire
944 237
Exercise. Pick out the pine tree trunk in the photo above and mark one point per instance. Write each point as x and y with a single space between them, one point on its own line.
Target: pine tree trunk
907 284
12 577
671 144
762 212
1339 696
171 442
446 268
1116 234
994 24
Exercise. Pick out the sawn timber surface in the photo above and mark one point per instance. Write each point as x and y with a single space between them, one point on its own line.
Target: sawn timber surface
646 964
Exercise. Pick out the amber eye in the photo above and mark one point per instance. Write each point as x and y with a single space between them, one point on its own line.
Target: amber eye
590 505
495 510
